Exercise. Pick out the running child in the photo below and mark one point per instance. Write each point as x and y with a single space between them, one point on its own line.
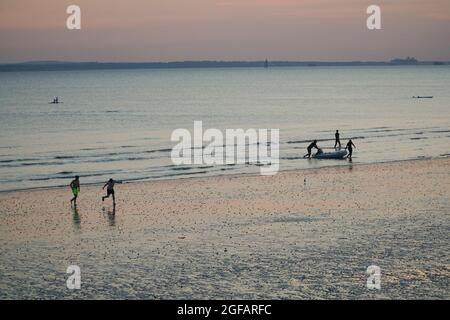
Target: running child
110 189
75 186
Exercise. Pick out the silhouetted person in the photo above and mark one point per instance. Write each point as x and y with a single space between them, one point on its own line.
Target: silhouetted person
75 186
337 141
349 147
311 145
110 189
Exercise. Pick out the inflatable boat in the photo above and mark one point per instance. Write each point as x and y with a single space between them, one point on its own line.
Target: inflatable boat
337 154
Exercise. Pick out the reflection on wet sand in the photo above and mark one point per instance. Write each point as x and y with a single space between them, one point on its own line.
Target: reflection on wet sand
111 215
76 218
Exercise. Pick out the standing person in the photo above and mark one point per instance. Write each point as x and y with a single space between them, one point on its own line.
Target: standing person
75 186
110 190
337 140
311 145
350 146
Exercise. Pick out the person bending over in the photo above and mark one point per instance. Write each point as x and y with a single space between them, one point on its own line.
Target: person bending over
311 145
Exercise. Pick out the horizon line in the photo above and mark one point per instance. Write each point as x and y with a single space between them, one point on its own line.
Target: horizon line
222 61
56 65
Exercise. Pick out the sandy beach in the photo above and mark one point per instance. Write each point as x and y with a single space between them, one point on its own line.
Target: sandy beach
304 234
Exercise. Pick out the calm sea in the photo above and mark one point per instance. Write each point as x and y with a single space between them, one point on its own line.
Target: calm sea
117 123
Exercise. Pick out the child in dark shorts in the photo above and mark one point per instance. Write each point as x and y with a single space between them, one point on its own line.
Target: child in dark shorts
110 189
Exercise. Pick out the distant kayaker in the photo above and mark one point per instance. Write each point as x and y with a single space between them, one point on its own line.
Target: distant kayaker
337 140
349 147
110 189
311 145
75 186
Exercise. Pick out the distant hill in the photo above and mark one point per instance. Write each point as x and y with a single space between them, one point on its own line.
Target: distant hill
64 65
407 60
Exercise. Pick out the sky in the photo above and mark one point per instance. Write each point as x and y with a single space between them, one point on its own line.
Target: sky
179 30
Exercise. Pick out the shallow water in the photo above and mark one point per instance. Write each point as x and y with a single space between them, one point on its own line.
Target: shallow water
118 122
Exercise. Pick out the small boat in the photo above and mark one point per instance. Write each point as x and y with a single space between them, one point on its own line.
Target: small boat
337 154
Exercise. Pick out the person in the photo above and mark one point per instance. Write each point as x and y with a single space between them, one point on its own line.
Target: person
349 147
110 190
56 100
311 145
337 140
75 186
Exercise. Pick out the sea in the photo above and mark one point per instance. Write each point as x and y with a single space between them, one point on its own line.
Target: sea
118 123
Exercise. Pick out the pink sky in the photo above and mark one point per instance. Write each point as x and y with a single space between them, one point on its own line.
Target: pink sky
167 30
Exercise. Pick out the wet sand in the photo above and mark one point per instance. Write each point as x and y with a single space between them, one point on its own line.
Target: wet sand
306 234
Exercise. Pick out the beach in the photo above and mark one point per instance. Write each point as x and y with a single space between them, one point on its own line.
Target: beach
300 234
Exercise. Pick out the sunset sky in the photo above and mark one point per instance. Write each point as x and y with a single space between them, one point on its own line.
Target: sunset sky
168 30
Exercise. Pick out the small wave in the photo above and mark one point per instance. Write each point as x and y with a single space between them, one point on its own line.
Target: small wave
91 149
189 168
183 168
67 175
18 160
291 158
300 141
183 174
321 140
158 150
27 164
65 172
440 131
41 179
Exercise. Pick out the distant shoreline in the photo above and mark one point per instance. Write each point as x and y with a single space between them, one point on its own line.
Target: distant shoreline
66 66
